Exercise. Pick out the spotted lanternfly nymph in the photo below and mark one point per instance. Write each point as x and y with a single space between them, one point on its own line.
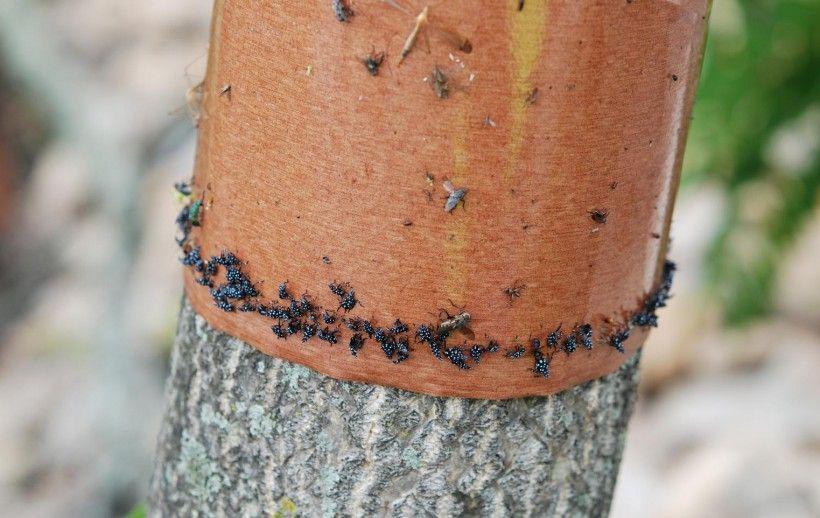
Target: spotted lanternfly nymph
570 344
456 357
356 343
388 347
402 350
435 347
368 328
399 327
279 331
328 318
585 331
554 337
328 335
598 215
373 62
349 301
283 291
424 333
535 344
336 289
308 331
617 340
518 352
354 324
492 346
542 365
247 307
475 353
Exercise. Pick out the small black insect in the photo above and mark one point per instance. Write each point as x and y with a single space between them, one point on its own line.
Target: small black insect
293 327
204 281
554 337
295 309
368 328
373 61
598 215
328 317
308 331
585 331
247 307
328 335
456 357
570 344
283 291
342 11
224 305
388 347
193 258
279 331
424 333
380 335
542 365
435 347
211 267
277 312
305 304
617 340
402 350
326 259
535 344
336 289
514 291
354 324
233 275
184 188
476 352
492 346
399 327
518 352
226 259
356 343
349 301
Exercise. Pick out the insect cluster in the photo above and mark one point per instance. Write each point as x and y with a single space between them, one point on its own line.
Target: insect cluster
301 316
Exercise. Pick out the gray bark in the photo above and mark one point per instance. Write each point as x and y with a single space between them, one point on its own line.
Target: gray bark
249 435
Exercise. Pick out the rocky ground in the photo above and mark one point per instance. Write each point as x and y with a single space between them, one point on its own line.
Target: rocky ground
728 423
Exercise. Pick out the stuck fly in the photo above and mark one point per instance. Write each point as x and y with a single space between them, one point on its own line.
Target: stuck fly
455 197
455 323
423 25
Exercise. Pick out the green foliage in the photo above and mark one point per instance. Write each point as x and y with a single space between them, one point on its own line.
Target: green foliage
755 131
139 511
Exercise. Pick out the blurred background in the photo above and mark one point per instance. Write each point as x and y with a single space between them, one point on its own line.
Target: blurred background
94 131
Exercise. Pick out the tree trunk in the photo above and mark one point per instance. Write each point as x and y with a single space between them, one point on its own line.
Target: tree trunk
246 434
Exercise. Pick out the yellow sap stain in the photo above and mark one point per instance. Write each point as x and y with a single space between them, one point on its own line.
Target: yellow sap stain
455 238
527 29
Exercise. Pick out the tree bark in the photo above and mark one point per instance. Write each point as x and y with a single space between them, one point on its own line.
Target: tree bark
246 434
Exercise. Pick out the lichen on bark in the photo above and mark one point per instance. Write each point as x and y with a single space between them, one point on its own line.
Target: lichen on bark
246 434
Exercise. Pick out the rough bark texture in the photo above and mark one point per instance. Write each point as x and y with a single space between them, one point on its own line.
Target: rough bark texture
248 435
